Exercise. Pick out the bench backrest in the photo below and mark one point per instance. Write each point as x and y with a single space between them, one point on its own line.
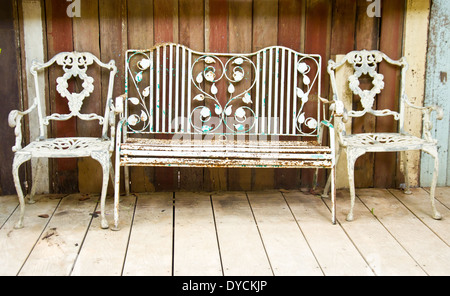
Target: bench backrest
172 89
74 65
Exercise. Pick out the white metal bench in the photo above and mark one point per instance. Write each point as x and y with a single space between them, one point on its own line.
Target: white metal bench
366 63
188 108
74 65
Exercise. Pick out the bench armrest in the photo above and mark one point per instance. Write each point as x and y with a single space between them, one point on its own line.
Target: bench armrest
332 136
119 103
15 121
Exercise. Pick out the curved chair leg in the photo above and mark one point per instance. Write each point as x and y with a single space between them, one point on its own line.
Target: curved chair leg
352 156
434 153
103 158
405 173
111 170
19 159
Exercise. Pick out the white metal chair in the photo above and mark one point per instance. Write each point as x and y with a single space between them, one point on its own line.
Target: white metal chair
74 64
366 63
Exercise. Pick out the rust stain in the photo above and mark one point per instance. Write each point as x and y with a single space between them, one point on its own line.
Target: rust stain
443 77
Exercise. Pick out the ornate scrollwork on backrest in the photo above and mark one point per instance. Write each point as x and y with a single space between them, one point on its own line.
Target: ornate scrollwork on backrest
308 80
74 64
236 114
365 63
173 89
138 89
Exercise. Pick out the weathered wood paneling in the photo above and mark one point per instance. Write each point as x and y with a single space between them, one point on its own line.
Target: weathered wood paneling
85 38
216 27
318 41
64 175
265 32
367 34
415 50
240 40
9 90
330 28
32 30
385 166
192 28
438 90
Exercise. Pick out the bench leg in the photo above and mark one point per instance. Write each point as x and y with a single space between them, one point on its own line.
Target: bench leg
327 185
126 175
116 194
333 194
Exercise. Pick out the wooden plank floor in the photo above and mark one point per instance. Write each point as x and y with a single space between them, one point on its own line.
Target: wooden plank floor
229 233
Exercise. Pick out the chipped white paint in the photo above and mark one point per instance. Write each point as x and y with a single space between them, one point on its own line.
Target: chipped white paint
74 64
415 39
221 110
34 50
437 91
366 63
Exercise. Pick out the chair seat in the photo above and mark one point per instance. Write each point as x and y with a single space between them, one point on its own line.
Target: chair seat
66 147
385 142
169 152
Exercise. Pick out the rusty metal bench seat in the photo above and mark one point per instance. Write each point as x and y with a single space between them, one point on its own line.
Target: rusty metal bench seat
230 154
185 108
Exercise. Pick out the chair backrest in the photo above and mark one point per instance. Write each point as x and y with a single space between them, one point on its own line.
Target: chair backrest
172 89
74 64
366 64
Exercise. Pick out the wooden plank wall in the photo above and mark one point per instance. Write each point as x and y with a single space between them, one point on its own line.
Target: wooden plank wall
327 27
10 90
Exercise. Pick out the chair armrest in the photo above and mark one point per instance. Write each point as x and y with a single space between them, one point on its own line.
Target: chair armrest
332 135
426 113
426 109
427 124
15 121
